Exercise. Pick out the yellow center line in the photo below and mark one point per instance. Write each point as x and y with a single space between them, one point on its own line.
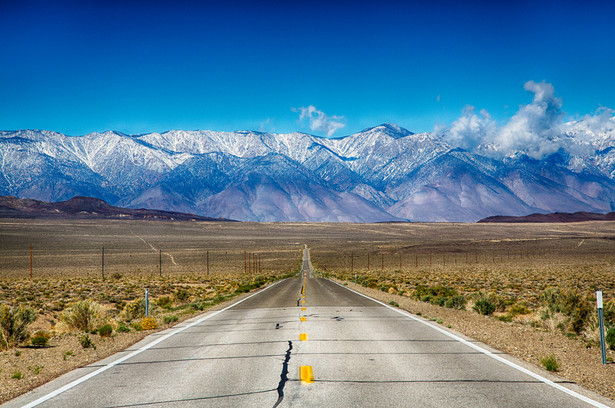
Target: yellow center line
303 337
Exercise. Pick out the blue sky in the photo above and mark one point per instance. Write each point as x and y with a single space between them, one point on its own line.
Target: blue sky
80 67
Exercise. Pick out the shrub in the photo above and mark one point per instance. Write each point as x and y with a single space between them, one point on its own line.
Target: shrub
122 328
610 337
550 363
135 309
571 304
440 296
456 302
394 303
484 306
519 309
170 319
105 330
182 295
244 288
164 302
86 341
40 339
149 323
82 315
17 375
36 369
14 324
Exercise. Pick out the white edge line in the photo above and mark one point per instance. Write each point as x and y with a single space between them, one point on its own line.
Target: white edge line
134 353
486 352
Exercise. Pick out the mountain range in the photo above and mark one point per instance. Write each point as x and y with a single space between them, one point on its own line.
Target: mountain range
384 173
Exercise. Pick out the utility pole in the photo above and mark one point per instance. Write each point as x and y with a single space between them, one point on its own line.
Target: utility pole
207 262
400 261
352 262
381 262
368 262
160 263
245 262
30 261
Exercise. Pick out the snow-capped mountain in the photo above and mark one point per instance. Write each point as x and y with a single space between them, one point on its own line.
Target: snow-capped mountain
384 173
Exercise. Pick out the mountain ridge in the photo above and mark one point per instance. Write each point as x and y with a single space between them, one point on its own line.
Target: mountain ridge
383 173
580 216
87 207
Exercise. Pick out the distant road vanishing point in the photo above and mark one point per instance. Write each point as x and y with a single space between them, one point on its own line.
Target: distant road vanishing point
307 342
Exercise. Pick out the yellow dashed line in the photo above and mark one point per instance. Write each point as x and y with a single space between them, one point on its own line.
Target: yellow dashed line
303 337
303 318
303 309
306 375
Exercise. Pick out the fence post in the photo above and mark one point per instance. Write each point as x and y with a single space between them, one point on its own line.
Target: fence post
103 263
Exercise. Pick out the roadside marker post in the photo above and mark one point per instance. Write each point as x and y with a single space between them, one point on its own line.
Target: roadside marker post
146 302
601 321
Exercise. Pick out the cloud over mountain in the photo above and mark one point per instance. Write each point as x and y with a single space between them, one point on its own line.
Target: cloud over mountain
537 130
320 121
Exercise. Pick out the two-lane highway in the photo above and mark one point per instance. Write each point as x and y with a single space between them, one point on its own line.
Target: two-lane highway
304 342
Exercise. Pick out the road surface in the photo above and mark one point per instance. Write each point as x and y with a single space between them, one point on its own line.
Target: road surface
257 352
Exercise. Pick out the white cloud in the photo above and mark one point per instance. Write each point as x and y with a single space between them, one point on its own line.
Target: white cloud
471 130
591 132
535 128
320 121
267 126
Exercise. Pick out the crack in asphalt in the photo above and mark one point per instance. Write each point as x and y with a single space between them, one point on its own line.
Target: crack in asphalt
284 375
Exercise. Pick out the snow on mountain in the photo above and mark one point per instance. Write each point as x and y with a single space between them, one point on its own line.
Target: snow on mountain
384 173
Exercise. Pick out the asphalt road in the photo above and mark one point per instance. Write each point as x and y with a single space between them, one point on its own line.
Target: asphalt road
361 354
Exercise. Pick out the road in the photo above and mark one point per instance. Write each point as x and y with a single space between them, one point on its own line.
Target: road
260 352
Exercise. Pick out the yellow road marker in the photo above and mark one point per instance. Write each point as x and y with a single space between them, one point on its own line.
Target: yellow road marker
303 318
303 301
306 375
303 309
303 337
